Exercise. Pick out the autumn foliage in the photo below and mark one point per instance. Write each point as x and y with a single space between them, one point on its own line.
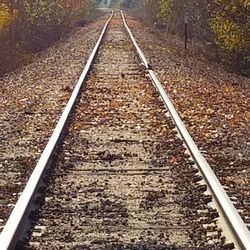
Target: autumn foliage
29 26
230 23
223 23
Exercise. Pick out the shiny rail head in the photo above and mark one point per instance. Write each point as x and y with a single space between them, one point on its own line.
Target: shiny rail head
237 226
15 225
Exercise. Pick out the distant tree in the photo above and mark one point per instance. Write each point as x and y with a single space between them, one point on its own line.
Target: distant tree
152 8
5 15
28 26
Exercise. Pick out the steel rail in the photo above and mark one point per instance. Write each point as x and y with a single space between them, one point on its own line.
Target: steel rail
237 225
15 225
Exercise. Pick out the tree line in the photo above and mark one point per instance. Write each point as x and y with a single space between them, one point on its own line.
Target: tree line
29 26
224 23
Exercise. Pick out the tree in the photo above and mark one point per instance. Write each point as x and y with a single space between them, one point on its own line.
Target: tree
230 23
28 26
224 23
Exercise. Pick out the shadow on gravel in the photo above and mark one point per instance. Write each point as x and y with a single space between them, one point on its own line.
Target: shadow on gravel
141 245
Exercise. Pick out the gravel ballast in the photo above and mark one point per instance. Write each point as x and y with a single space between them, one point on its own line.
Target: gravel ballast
213 103
31 101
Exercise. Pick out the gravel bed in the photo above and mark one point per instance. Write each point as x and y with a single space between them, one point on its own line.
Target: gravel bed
31 101
123 179
214 104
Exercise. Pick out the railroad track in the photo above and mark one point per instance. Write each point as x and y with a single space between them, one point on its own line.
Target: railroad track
120 169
